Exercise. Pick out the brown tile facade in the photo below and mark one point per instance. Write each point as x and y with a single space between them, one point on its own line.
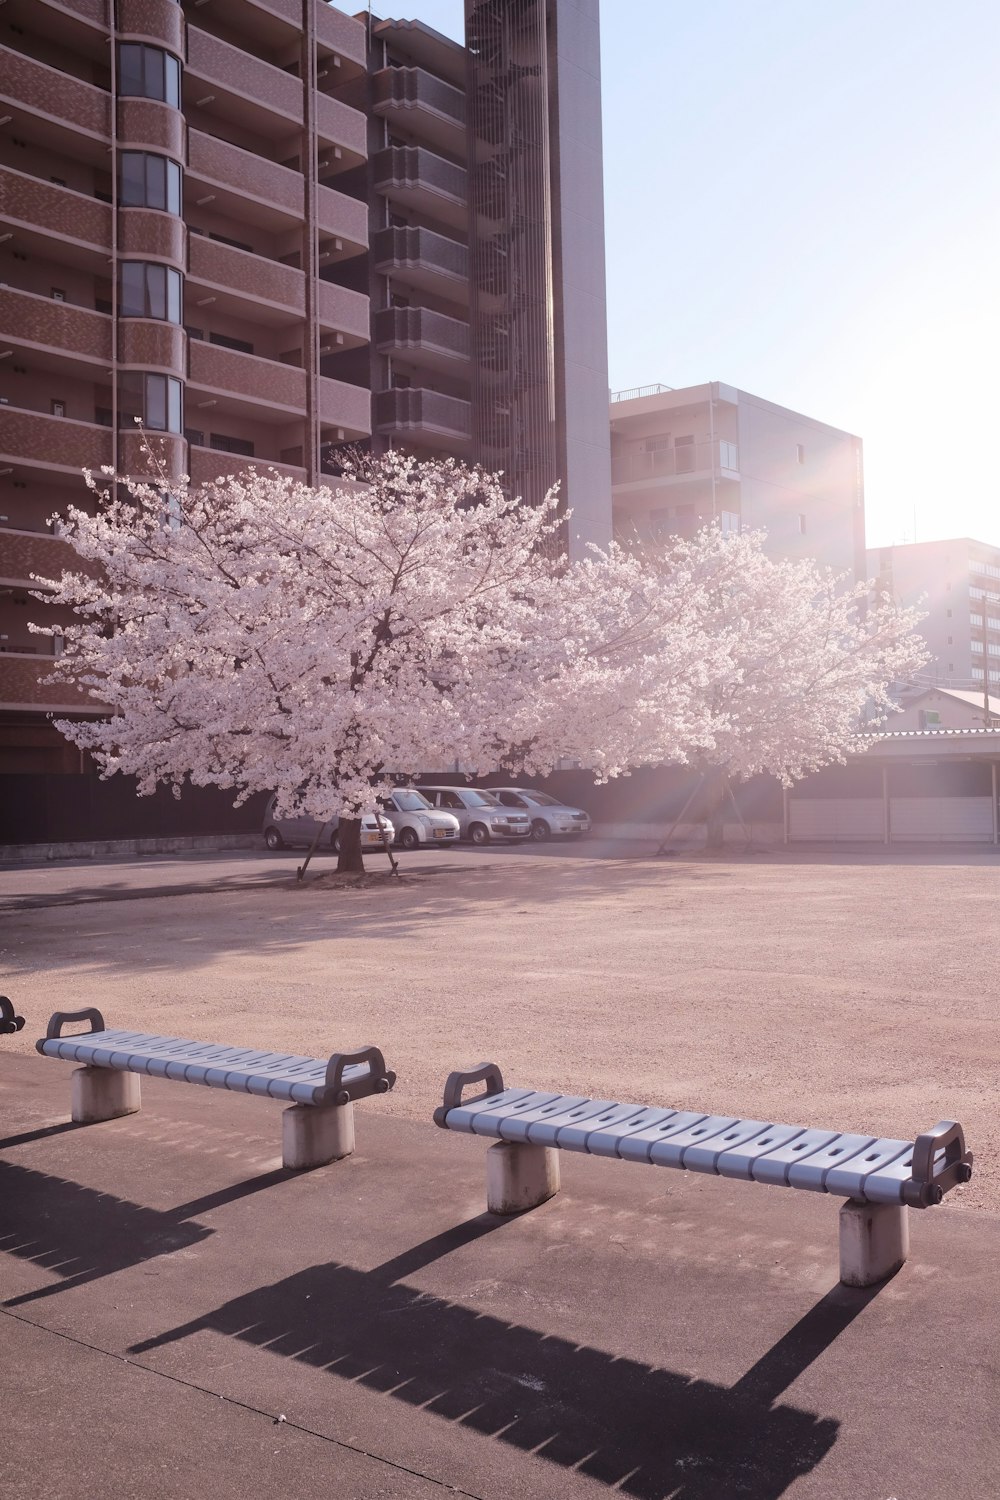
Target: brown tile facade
146 124
49 324
150 20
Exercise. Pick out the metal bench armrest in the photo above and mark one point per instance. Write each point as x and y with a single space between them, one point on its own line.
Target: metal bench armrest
379 1080
929 1185
61 1017
487 1073
9 1020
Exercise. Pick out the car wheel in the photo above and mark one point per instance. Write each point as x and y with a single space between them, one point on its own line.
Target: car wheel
479 833
408 838
273 839
540 831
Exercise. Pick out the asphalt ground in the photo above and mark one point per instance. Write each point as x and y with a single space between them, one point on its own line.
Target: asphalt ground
181 1317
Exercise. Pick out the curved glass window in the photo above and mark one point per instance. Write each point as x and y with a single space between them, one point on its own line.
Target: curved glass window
148 73
149 181
148 290
155 399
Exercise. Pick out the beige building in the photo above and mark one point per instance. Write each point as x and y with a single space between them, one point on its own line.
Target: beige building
956 584
267 228
681 459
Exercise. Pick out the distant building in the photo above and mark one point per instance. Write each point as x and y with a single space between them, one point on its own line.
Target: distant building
945 708
957 584
683 458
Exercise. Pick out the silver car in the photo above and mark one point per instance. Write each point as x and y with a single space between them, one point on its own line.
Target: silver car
480 816
301 830
548 815
416 821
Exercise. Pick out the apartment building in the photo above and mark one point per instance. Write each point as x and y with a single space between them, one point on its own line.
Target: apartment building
957 586
270 229
681 459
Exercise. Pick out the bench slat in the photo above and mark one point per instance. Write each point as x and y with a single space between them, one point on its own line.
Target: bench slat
570 1125
464 1116
636 1145
523 1122
775 1166
811 1174
851 1178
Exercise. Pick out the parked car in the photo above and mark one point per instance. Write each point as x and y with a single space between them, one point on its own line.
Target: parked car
548 815
480 816
416 821
290 833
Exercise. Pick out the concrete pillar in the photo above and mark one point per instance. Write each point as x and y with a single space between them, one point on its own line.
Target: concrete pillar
314 1134
874 1241
103 1094
519 1177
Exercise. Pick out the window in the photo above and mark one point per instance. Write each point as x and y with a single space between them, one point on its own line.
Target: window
225 444
729 455
730 521
225 342
148 73
155 399
449 799
800 453
802 525
150 181
148 290
58 408
58 295
196 438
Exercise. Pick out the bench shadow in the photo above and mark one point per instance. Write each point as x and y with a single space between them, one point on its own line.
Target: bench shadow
650 1432
82 1235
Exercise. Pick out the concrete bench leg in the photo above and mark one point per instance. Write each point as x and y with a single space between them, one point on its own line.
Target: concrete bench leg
520 1177
874 1241
314 1134
103 1094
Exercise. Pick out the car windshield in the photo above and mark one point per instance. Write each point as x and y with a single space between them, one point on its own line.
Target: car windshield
409 802
543 799
480 799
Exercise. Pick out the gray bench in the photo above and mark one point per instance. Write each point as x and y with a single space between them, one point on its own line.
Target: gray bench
880 1178
9 1020
318 1127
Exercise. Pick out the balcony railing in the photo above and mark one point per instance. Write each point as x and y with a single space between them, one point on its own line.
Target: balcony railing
250 276
636 392
25 682
205 464
25 555
342 216
36 87
337 124
420 249
417 328
413 91
413 175
213 161
60 211
341 309
214 61
722 458
33 319
344 406
415 410
346 37
52 442
263 381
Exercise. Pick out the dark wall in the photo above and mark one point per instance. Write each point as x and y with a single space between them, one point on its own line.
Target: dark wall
58 809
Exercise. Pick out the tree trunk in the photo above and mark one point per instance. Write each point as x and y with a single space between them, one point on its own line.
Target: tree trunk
350 860
715 795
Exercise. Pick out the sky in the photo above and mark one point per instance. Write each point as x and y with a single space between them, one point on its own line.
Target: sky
802 199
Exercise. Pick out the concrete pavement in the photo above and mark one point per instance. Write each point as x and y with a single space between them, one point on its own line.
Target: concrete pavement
170 1293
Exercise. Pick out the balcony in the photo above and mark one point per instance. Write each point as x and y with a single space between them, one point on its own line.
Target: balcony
245 280
337 124
159 21
345 218
28 554
344 312
242 184
414 178
64 214
427 416
682 462
205 465
345 37
253 94
54 95
422 259
30 319
413 100
33 437
345 407
255 381
425 338
24 683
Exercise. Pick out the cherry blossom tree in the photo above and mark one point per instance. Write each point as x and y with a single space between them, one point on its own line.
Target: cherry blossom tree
807 660
261 635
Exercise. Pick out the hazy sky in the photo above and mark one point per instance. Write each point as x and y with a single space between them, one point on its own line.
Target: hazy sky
803 200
